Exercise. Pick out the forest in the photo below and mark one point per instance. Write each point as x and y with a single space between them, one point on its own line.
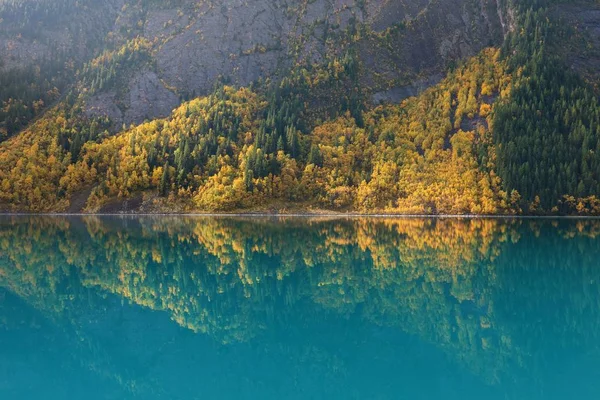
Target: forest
508 131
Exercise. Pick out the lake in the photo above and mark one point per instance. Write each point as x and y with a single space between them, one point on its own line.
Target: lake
299 308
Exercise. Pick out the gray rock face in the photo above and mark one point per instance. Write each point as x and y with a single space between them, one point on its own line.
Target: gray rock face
196 42
244 40
383 14
236 43
397 94
104 104
147 99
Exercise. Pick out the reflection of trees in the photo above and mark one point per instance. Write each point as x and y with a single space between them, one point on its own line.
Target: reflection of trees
548 297
451 282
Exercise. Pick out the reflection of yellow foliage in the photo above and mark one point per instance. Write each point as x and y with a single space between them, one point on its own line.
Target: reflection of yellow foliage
221 276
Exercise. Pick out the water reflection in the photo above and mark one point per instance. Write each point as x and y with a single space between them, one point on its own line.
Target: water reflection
300 308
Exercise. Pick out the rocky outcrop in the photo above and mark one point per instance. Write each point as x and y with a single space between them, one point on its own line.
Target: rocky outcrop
146 98
246 40
400 45
397 94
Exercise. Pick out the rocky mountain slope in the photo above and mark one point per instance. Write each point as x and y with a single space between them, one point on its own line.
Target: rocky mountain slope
404 46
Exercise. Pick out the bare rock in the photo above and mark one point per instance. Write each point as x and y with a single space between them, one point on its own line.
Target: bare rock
104 105
240 41
148 99
397 94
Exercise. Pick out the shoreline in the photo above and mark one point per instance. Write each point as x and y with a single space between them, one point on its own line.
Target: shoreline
300 215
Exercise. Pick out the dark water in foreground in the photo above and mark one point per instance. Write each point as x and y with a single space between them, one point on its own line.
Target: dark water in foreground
204 308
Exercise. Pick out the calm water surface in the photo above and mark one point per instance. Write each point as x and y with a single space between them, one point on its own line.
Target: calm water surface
234 308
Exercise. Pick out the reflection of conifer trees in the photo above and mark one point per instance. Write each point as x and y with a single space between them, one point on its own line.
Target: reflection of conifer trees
451 282
547 296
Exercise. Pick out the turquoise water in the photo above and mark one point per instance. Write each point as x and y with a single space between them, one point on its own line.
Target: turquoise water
240 308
